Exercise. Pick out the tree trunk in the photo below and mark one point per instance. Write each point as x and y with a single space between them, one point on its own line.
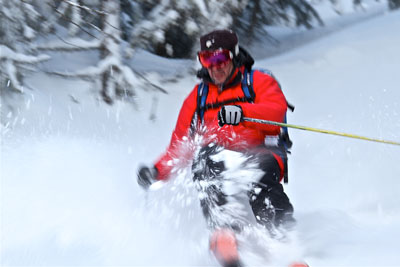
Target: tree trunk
110 49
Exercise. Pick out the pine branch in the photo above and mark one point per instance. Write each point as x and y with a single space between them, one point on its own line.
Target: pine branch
8 53
86 77
90 10
72 44
85 8
149 82
62 16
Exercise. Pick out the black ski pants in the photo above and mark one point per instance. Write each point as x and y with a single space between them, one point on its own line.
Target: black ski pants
269 202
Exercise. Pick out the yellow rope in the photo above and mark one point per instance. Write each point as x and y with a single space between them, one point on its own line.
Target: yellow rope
320 131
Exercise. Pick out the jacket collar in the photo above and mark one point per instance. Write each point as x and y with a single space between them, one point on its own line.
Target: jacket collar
234 79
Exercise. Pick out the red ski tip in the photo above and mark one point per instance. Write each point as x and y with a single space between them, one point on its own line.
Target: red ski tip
299 264
224 246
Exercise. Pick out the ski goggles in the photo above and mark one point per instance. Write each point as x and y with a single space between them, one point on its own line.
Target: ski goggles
218 58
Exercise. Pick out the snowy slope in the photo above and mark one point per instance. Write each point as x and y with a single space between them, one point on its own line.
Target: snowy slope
346 191
68 189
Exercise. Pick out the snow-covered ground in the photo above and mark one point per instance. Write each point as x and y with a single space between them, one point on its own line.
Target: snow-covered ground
68 162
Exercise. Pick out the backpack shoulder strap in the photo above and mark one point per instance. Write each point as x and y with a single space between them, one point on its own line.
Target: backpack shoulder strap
247 85
202 92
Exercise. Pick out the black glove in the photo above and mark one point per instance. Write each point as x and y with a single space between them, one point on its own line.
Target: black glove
147 176
230 115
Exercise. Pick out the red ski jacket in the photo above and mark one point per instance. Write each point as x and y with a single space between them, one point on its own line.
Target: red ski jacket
269 104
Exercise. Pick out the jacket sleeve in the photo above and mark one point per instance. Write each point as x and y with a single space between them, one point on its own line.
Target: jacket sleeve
269 104
175 150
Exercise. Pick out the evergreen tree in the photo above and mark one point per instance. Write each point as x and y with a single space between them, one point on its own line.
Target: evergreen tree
113 79
117 79
171 27
70 13
394 4
259 13
19 23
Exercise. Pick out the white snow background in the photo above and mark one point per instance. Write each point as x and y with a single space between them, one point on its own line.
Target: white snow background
69 195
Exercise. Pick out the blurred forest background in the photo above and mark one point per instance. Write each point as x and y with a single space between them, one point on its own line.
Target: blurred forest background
33 31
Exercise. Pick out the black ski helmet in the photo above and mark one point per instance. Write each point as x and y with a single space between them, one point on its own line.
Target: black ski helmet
225 39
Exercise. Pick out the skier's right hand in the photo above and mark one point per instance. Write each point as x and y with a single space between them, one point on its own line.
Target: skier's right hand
146 176
230 114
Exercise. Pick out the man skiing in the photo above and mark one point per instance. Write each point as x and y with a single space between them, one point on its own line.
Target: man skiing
230 90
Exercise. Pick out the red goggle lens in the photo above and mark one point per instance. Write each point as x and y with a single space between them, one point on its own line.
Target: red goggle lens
214 58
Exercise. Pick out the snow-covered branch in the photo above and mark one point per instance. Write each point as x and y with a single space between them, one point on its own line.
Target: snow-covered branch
75 4
9 61
70 44
115 79
8 54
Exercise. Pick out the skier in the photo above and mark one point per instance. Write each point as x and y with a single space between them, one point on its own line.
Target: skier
218 104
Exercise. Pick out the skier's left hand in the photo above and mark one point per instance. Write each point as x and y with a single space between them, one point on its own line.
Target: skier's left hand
146 176
230 115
